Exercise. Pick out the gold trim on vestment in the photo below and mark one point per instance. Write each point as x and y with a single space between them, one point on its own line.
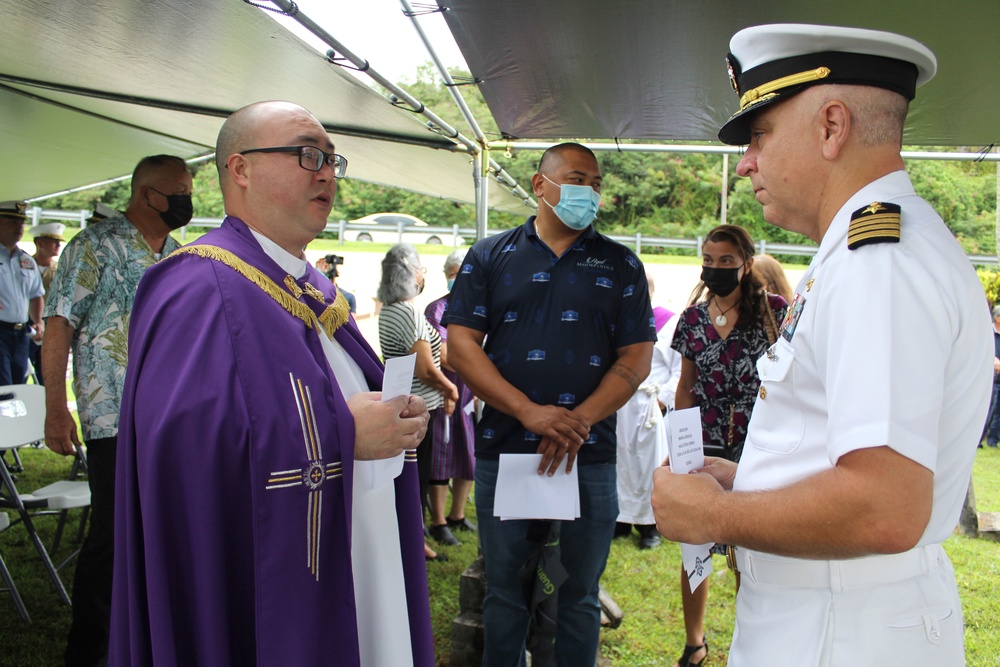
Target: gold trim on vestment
334 317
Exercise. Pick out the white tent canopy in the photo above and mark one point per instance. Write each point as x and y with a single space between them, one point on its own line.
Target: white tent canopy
88 87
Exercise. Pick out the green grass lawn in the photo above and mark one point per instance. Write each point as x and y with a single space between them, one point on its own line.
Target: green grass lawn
644 583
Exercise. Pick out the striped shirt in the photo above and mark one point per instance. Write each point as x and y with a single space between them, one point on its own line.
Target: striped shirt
400 326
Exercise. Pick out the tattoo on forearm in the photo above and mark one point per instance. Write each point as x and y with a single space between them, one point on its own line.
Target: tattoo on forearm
627 374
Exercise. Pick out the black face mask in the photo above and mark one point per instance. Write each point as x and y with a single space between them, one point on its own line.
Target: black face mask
722 282
179 210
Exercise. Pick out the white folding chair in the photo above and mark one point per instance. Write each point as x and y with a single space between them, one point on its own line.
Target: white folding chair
22 421
9 580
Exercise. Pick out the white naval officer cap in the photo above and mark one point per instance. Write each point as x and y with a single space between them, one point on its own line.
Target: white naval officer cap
13 209
101 211
769 63
50 230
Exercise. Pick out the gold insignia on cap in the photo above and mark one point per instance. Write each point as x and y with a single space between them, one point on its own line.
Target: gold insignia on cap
879 222
763 392
732 75
808 76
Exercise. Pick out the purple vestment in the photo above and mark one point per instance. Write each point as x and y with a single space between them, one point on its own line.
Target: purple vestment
235 470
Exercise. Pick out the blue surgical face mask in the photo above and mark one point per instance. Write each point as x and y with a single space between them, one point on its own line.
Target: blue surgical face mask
451 283
577 205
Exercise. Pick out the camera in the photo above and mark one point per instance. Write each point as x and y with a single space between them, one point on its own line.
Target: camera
332 262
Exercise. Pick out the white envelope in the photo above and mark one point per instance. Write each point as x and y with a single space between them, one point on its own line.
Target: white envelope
522 493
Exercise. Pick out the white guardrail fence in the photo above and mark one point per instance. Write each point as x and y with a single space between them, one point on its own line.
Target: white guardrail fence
637 241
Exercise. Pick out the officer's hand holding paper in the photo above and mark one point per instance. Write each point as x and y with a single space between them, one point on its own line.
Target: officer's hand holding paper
687 453
521 493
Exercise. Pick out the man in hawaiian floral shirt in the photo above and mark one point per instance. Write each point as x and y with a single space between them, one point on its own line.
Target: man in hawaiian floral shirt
88 309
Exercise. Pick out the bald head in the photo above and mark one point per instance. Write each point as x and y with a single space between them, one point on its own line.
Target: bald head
553 157
240 131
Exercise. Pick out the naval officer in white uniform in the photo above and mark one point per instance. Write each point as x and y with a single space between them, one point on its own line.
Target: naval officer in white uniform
863 437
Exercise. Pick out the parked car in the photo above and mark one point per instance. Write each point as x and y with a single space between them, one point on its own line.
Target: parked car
384 228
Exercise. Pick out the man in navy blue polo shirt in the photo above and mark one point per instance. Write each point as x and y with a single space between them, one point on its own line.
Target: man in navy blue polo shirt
569 334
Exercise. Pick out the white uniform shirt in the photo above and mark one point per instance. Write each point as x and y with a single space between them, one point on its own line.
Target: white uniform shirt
892 347
20 282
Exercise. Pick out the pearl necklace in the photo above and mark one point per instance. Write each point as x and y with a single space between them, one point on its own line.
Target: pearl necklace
721 320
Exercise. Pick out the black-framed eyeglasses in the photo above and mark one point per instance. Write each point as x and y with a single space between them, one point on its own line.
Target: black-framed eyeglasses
310 158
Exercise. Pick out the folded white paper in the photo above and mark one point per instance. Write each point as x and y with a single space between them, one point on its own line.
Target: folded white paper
522 493
370 475
398 377
396 381
686 449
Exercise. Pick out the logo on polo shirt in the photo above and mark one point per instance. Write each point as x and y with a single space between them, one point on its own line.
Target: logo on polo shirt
467 268
595 360
570 316
592 263
629 291
488 433
536 355
540 277
531 437
591 439
510 316
604 282
510 247
567 399
480 311
652 322
632 261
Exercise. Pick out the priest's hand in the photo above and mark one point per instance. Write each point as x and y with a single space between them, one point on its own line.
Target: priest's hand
383 430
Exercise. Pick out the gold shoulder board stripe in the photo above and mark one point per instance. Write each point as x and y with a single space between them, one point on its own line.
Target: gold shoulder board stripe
879 222
334 317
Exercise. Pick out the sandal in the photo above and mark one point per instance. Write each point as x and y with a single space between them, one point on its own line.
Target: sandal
685 659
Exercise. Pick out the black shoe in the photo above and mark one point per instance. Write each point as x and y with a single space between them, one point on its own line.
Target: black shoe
442 535
462 524
649 542
440 558
622 529
649 538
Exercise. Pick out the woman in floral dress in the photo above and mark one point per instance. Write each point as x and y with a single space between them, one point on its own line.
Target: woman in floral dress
730 324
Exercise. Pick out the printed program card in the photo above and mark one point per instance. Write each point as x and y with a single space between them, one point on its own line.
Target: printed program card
687 453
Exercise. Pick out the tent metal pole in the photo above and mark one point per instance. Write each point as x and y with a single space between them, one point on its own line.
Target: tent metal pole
725 187
482 186
435 123
477 132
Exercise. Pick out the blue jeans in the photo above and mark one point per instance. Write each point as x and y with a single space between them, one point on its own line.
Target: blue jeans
13 356
992 430
585 544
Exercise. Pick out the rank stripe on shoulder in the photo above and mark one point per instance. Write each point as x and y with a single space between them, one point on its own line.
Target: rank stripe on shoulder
879 222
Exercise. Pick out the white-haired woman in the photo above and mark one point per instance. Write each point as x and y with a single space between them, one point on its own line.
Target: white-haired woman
403 330
454 435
